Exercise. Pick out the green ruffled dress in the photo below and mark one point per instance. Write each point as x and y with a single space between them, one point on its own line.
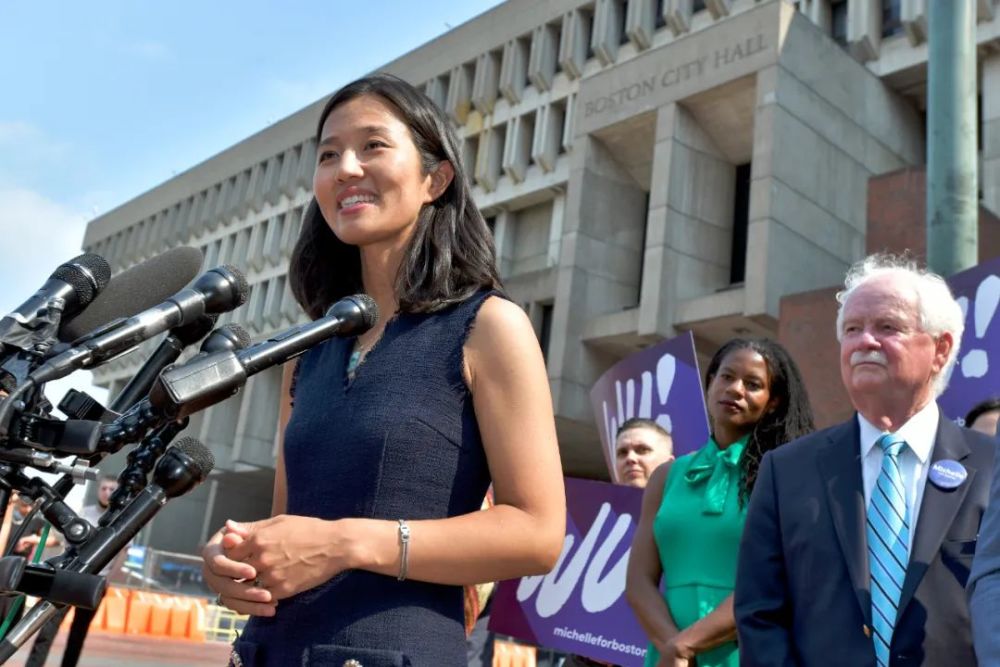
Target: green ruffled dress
697 531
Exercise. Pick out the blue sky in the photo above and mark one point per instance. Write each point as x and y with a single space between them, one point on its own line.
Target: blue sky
105 100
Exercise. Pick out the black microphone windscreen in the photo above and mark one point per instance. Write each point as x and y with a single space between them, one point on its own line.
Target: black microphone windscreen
133 291
368 308
191 333
198 453
238 335
242 286
87 273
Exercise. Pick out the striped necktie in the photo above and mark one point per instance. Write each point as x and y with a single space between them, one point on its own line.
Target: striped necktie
888 544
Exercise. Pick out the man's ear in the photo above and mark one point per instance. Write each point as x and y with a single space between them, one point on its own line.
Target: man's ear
942 349
441 178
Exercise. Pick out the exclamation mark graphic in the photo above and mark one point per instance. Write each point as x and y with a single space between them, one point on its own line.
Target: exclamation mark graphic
666 370
975 363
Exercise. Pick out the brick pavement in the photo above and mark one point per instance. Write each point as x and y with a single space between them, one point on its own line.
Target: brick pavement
117 650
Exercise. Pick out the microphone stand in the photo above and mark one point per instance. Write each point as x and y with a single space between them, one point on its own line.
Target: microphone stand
179 470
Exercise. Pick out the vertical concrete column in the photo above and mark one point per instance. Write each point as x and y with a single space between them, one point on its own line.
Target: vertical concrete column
556 229
864 28
689 225
991 133
207 525
952 201
598 269
763 184
503 240
257 418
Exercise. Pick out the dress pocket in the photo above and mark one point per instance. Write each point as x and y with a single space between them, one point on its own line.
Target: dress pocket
244 654
331 655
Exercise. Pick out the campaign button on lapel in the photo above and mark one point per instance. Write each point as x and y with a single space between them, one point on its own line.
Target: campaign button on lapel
947 474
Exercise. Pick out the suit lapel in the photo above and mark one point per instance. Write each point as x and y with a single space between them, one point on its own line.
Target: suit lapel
840 467
937 509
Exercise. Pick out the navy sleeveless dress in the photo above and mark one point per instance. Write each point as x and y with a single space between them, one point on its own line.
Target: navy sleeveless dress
399 441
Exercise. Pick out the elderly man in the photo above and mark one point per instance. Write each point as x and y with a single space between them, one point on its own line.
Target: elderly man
641 445
859 538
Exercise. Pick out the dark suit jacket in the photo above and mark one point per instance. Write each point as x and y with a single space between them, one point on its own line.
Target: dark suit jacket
984 581
802 586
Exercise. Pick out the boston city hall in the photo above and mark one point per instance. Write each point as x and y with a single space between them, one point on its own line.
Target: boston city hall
648 168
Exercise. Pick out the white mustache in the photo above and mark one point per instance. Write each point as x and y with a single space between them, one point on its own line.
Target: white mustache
869 357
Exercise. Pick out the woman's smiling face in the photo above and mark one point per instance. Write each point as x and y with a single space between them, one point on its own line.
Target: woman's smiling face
370 182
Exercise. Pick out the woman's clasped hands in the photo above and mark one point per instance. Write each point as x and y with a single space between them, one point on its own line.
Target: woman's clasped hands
253 565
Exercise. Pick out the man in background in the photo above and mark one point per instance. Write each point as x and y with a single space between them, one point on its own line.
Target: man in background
984 415
641 446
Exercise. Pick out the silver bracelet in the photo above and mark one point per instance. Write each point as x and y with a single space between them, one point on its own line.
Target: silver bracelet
404 548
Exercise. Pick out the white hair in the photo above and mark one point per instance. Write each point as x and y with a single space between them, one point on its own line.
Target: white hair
937 308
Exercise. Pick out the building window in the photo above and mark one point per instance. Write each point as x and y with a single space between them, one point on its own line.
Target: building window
622 15
892 20
741 224
697 6
642 249
838 22
979 127
545 330
470 153
658 20
491 224
555 28
587 28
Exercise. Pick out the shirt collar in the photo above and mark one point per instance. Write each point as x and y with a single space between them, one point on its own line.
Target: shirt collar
919 431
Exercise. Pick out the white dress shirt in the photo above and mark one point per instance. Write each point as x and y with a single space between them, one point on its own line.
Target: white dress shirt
914 459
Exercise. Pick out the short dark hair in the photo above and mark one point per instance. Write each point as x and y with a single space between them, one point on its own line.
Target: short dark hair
791 418
450 255
641 422
982 407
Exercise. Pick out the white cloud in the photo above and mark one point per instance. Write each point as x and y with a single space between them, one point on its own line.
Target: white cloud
26 152
148 50
41 234
18 131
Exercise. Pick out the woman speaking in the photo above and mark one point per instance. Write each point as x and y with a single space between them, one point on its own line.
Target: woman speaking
394 436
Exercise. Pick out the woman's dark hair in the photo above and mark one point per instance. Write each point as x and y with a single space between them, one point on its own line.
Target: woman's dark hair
790 419
981 408
450 255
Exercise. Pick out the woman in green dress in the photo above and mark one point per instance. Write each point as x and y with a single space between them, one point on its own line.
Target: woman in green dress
693 508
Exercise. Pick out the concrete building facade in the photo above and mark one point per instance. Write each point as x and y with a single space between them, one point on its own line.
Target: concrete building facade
648 167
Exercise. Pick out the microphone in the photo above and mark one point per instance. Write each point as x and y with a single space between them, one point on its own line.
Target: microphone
202 382
181 468
231 337
218 290
166 353
33 325
134 290
184 465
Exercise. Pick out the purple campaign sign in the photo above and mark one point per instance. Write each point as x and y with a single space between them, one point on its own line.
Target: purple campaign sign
976 375
580 606
661 383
